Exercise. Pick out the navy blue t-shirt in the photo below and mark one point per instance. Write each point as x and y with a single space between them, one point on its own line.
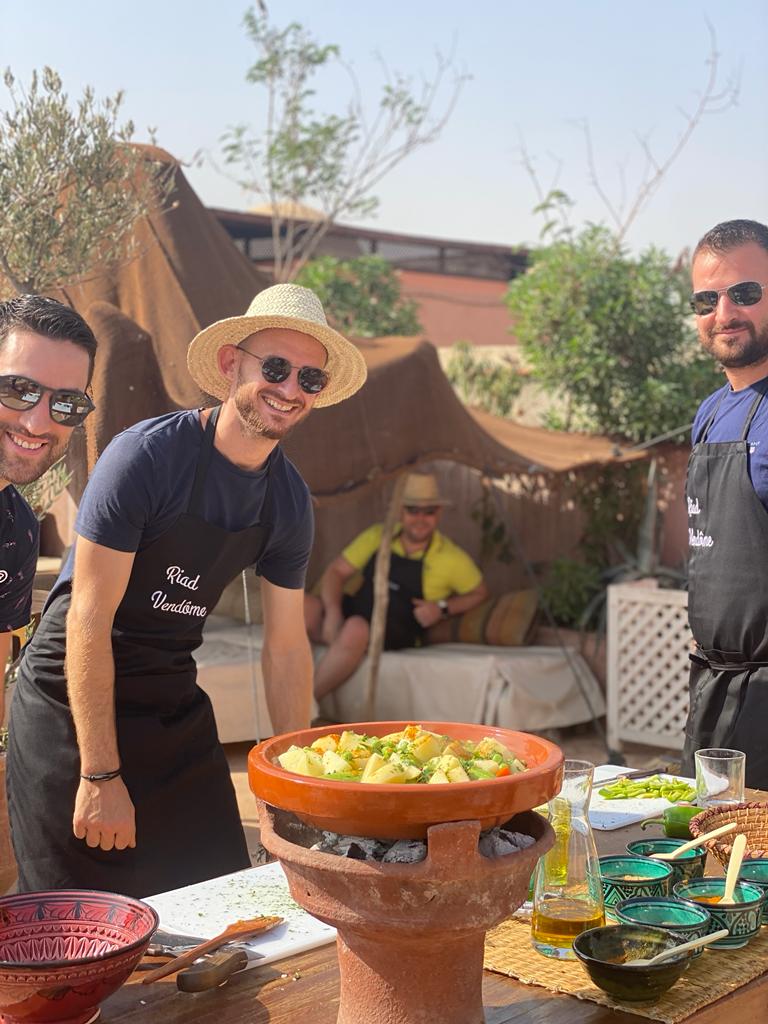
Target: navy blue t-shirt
19 542
728 425
143 480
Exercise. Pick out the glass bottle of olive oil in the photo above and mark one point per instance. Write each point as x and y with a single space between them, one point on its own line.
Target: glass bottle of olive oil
568 894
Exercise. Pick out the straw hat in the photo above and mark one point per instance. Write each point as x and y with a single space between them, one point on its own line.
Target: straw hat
422 489
282 305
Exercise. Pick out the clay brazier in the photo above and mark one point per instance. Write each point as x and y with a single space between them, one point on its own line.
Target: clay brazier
410 936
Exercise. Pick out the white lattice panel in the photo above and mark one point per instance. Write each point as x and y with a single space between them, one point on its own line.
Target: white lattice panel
647 686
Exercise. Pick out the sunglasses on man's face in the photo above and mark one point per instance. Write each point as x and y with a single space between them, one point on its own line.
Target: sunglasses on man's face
422 510
67 407
276 369
746 293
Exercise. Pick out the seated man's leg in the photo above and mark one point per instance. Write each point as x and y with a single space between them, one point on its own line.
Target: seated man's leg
343 656
313 617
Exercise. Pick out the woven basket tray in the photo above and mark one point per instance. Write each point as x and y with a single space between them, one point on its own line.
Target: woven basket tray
750 818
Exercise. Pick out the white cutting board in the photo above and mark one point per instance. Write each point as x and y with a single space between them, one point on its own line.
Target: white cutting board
207 908
609 814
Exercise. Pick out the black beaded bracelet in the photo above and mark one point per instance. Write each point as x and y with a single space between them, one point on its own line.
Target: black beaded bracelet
102 776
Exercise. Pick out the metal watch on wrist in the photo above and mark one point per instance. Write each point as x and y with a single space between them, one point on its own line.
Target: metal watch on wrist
442 604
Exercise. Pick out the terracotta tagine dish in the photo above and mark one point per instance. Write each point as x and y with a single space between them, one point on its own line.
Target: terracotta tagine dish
411 936
63 952
405 811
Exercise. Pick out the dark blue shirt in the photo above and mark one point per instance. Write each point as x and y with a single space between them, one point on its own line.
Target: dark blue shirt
143 480
19 541
728 425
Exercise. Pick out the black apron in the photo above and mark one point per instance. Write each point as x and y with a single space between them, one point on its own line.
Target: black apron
405 584
728 603
187 821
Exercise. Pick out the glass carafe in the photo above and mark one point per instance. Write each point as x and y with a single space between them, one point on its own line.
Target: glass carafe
568 894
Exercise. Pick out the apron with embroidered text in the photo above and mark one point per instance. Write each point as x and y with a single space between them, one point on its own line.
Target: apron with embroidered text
728 603
187 821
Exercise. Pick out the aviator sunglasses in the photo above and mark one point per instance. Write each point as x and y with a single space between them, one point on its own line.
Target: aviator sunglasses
422 510
67 407
276 369
746 293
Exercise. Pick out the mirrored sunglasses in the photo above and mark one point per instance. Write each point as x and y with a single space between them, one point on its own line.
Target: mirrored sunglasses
67 407
276 369
422 510
746 293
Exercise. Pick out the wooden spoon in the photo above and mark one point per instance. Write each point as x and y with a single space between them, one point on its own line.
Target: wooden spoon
238 930
695 842
703 940
734 867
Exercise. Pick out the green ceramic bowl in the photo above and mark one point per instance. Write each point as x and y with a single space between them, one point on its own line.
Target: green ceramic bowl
742 917
689 921
626 876
601 951
756 872
688 865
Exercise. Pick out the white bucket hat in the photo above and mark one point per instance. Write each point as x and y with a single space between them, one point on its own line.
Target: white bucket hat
282 305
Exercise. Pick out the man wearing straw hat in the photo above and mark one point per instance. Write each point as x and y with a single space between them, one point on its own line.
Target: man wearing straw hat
430 578
117 778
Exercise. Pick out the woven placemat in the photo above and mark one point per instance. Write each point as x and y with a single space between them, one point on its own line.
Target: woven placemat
715 974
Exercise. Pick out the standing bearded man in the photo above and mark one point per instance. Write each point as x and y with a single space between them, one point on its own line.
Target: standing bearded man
727 496
117 779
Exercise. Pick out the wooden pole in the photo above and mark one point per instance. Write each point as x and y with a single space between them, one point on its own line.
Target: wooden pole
381 594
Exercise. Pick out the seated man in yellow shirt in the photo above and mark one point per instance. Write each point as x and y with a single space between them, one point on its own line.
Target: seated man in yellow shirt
430 578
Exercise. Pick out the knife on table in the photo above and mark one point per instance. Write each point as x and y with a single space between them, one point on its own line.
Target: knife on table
236 932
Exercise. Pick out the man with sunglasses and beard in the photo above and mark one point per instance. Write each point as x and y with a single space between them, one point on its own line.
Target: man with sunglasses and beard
727 499
430 579
46 361
118 779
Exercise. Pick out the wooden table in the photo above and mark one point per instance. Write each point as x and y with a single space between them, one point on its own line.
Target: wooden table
304 990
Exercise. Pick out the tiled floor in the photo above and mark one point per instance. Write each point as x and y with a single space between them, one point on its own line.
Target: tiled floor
578 742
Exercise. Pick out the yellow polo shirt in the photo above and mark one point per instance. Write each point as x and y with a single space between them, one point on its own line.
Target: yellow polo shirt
447 568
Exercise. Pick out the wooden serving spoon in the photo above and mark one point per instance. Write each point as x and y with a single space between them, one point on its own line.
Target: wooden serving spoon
734 867
695 842
703 940
238 930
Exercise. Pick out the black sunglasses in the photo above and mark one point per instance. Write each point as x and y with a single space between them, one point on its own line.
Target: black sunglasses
422 510
275 369
67 407
746 293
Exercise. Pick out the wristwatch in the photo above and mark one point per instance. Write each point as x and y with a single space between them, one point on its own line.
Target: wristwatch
442 604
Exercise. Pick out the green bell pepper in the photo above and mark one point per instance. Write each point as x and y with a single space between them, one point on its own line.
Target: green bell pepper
675 821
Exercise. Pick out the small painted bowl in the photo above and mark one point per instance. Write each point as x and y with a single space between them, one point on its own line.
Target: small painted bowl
626 876
756 873
602 950
688 865
687 920
742 917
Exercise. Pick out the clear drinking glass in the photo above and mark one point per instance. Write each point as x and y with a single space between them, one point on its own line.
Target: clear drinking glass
719 776
568 894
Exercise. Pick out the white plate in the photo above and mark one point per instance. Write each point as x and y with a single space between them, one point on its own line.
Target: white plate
609 814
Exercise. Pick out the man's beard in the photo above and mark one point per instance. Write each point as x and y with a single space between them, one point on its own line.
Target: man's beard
251 422
23 470
742 353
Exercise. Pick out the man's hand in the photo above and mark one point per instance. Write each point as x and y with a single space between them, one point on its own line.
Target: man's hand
426 613
104 815
333 620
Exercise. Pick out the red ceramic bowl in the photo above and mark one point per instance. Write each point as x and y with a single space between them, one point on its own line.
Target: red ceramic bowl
405 811
63 952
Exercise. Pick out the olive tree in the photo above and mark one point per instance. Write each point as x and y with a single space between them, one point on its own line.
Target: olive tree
71 185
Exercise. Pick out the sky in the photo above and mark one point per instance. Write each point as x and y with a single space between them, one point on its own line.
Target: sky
537 72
